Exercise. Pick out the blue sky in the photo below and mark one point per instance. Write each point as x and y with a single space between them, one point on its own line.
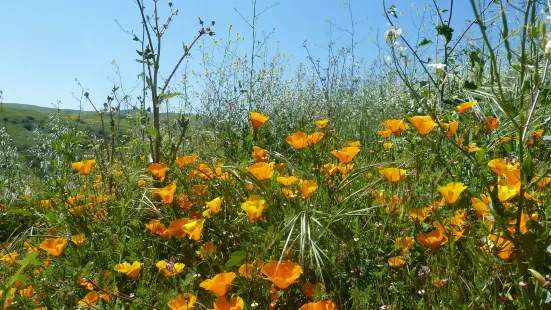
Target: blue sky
47 44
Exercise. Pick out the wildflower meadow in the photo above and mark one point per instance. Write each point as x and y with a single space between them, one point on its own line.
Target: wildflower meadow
421 180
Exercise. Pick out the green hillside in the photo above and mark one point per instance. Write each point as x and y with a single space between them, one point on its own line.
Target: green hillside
20 120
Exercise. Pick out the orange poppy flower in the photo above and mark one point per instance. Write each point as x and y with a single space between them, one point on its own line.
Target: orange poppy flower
183 302
158 171
167 193
433 239
490 123
393 174
345 155
10 258
452 128
215 205
314 138
132 271
260 155
220 284
329 168
393 125
170 269
321 124
184 202
90 300
28 292
404 242
289 194
287 181
282 274
53 246
207 250
465 106
308 187
308 289
298 140
235 303
194 228
419 214
320 305
183 161
262 171
452 191
205 172
254 206
280 167
250 270
258 120
156 227
85 166
176 228
385 133
396 262
344 169
502 247
424 124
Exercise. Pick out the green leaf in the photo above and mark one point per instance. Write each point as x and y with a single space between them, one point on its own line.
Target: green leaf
168 96
445 31
425 41
479 156
20 212
29 260
235 258
527 166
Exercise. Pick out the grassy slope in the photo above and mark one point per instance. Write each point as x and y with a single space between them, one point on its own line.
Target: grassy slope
20 120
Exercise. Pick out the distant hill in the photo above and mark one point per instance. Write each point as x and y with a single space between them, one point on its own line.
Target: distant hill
20 120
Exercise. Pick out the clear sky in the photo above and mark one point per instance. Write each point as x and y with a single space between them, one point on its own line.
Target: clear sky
47 44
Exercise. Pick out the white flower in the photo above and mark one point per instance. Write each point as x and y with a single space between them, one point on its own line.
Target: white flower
437 66
548 48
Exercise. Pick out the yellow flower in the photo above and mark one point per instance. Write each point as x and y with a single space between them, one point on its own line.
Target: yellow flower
158 171
84 167
170 269
289 194
286 181
344 169
419 214
220 284
133 271
53 246
186 160
452 191
424 124
215 205
235 303
393 174
308 188
465 106
321 124
250 270
262 171
545 181
254 206
183 302
167 193
329 168
10 258
258 120
387 145
394 125
396 262
194 228
176 228
345 155
28 292
385 133
404 242
314 138
298 140
141 183
260 155
354 144
78 239
282 274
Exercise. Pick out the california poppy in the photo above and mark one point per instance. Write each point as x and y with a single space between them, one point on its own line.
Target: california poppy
78 239
465 106
250 270
28 292
404 242
167 193
90 300
207 250
171 268
396 262
345 155
385 133
183 302
287 181
220 284
9 258
314 138
183 161
132 271
502 247
235 303
282 274
308 289
260 155
452 191
215 205
176 227
262 171
387 145
158 171
258 120
254 206
156 227
419 214
433 239
85 166
308 187
490 123
321 124
53 246
320 305
393 175
424 124
298 140
194 228
394 125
